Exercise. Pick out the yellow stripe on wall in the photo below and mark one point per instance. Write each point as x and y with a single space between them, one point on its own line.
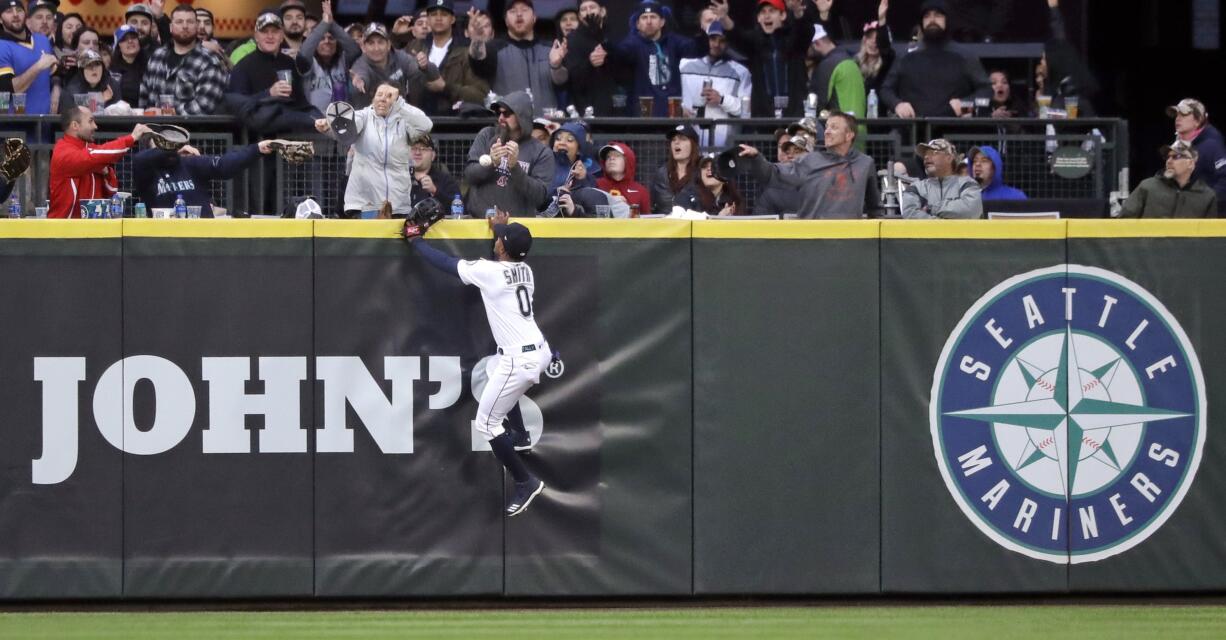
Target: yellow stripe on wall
540 227
613 229
389 229
788 229
59 228
221 228
1166 228
596 228
974 229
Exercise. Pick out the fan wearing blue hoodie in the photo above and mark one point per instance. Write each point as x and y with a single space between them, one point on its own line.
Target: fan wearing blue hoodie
989 171
570 145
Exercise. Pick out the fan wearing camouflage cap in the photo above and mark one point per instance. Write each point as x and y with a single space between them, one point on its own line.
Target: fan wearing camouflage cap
1192 126
944 193
91 76
1175 192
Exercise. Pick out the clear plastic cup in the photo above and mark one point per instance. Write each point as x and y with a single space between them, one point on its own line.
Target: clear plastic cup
193 211
1071 105
167 102
19 104
5 100
781 105
646 106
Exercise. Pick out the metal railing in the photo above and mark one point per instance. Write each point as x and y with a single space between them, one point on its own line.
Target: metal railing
1026 146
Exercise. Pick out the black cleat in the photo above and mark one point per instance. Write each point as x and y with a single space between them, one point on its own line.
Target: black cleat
525 493
521 440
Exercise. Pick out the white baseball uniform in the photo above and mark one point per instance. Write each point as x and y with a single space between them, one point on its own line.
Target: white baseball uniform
507 290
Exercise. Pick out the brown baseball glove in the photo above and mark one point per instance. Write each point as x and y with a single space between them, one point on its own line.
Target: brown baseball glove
15 158
168 136
294 151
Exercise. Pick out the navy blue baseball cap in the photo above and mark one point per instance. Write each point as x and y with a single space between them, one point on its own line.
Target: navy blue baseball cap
683 130
516 239
445 5
5 5
650 6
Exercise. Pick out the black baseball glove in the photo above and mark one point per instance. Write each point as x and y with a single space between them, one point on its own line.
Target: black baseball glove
421 218
15 159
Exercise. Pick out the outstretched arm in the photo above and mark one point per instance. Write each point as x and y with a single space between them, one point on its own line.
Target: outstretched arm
436 258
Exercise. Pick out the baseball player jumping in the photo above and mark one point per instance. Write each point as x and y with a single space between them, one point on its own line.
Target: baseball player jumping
507 288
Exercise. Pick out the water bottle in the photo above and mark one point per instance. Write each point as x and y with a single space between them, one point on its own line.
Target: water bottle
872 103
116 207
457 207
180 206
14 207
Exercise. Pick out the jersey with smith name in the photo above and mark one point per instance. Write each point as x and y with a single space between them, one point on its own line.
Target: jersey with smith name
506 290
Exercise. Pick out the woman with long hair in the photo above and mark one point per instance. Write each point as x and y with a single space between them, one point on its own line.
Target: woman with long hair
66 33
88 38
712 194
678 172
128 63
876 54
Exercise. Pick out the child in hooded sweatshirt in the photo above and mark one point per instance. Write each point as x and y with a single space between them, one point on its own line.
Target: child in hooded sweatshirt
618 162
570 145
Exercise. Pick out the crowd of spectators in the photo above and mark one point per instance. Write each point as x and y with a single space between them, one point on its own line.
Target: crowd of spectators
793 59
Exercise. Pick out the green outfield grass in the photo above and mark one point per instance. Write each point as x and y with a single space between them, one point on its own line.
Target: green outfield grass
1108 622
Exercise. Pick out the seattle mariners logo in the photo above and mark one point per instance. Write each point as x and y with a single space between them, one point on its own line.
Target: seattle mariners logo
1068 414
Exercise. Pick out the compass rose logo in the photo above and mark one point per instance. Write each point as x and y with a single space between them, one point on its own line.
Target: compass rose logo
1068 414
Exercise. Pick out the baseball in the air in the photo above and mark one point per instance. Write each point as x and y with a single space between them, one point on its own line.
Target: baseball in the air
486 160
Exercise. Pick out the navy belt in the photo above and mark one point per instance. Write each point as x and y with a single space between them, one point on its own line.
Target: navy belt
528 348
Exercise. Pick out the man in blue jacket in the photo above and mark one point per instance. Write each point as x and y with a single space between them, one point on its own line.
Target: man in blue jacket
989 171
654 57
160 176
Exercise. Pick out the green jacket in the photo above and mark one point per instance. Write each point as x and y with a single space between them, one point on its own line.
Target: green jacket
463 84
1160 197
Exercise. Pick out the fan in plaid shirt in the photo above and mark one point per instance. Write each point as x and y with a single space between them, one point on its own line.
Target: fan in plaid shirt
195 77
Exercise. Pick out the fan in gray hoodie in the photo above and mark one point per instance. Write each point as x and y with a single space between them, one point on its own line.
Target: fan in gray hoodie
944 194
521 188
835 182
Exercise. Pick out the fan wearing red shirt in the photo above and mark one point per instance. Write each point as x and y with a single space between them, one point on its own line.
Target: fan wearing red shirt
81 170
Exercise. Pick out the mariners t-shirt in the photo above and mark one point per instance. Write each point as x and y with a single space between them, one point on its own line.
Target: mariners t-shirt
18 56
506 289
